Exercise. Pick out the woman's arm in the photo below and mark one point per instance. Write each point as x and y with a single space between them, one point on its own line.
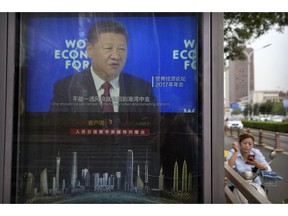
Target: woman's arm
232 159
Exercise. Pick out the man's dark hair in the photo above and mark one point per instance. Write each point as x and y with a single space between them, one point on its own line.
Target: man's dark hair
105 26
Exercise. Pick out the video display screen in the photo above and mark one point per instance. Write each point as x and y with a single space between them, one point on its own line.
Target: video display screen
161 50
108 109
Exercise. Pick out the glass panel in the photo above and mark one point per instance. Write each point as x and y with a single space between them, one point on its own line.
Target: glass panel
145 148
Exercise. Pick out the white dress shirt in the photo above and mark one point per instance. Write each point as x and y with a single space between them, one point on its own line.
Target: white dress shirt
114 90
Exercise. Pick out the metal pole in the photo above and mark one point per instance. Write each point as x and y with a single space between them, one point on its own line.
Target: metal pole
248 78
248 55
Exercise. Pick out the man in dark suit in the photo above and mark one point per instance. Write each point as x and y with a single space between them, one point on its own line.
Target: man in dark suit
103 87
135 94
104 92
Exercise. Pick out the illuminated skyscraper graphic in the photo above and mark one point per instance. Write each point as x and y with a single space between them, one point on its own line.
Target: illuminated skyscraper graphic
139 181
175 177
184 177
161 179
57 170
54 189
63 185
96 181
111 180
129 170
190 182
44 182
74 170
146 180
105 179
118 180
85 176
96 178
30 185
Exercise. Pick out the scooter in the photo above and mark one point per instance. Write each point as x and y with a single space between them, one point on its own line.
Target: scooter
268 179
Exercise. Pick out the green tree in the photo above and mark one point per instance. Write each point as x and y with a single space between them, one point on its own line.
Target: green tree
266 108
236 111
247 110
278 109
256 109
241 29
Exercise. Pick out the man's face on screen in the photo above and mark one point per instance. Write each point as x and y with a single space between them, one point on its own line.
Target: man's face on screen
108 55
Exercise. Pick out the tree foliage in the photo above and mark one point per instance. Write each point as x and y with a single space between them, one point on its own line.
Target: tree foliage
278 109
236 111
267 108
240 29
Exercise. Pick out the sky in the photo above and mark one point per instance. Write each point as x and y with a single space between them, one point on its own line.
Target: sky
271 63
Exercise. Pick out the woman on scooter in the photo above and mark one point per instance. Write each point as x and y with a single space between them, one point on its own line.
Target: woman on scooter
244 157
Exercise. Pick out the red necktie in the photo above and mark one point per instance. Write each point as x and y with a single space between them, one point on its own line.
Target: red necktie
106 98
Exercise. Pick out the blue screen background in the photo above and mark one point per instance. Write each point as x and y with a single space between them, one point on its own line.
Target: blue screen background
152 40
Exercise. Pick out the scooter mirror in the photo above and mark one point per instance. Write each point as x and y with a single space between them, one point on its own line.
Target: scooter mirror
272 155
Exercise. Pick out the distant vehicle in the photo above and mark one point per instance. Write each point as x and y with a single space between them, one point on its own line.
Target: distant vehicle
256 118
277 118
265 118
234 122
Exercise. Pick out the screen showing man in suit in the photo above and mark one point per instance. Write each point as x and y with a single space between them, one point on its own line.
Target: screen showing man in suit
109 105
86 91
163 55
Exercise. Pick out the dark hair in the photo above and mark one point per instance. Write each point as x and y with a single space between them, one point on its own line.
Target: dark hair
245 135
105 26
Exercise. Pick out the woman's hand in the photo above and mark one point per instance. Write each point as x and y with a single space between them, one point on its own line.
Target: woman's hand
252 162
256 164
235 146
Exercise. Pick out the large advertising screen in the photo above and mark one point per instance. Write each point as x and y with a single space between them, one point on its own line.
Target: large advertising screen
162 50
108 109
